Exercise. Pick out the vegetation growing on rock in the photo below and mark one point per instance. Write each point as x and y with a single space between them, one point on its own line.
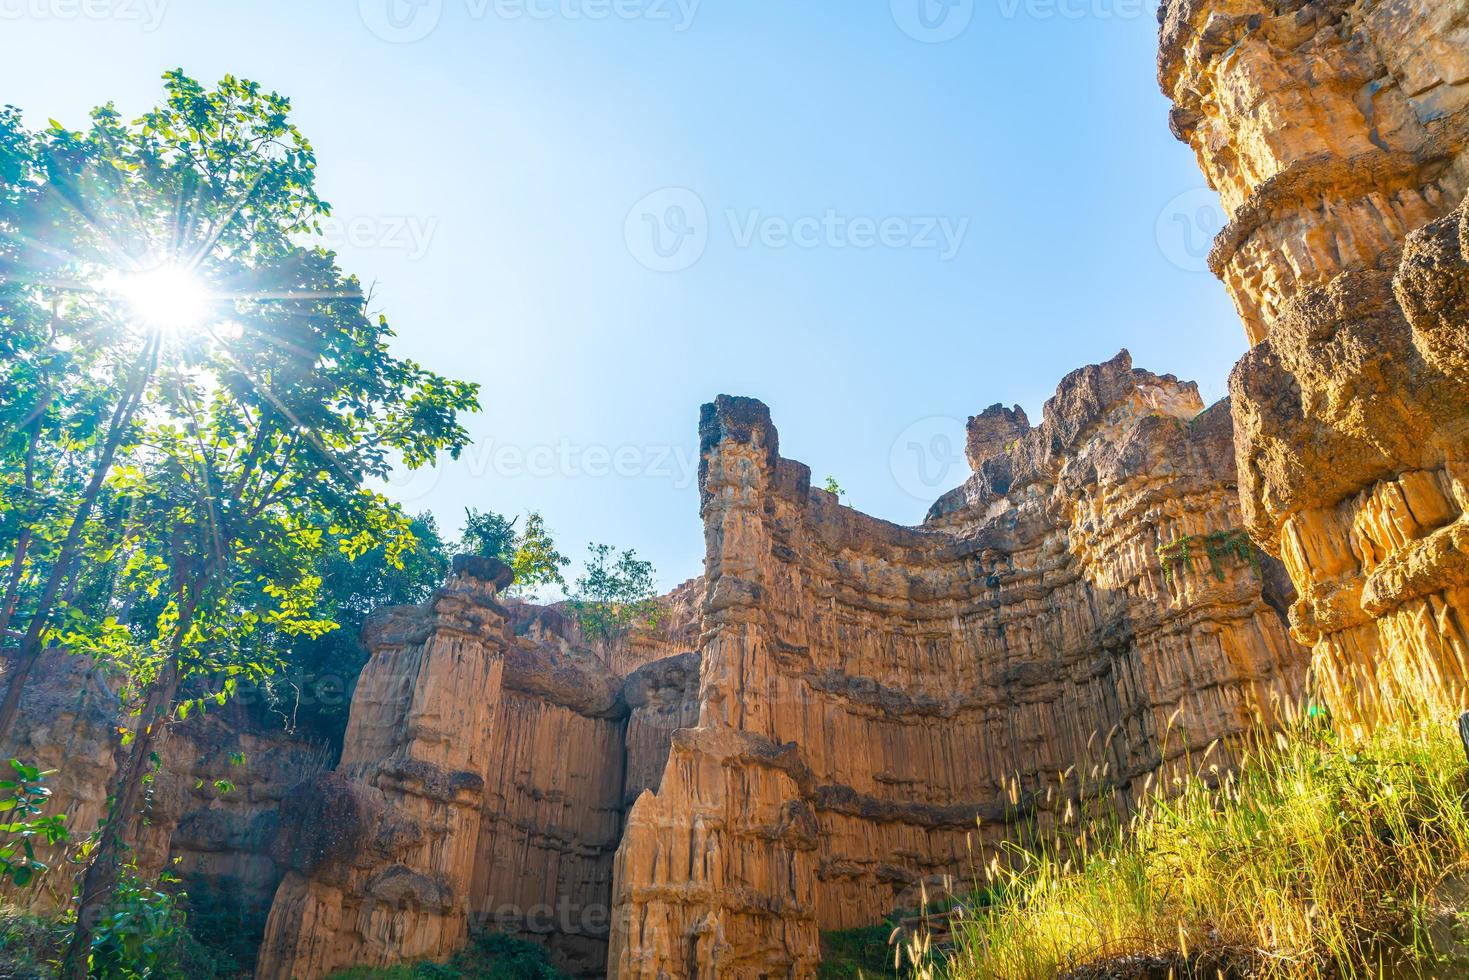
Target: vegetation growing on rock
1217 546
488 957
1323 856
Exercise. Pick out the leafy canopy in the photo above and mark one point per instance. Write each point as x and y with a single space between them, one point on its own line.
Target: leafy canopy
531 553
614 593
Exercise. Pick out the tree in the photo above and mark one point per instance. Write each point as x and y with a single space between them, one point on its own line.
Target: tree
487 534
536 561
313 692
613 594
834 488
530 553
246 397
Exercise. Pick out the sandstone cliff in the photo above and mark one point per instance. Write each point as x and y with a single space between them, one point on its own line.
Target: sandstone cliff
487 758
1335 132
861 709
880 705
211 814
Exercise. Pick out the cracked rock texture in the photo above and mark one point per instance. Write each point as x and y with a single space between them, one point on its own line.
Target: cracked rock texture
880 705
1335 132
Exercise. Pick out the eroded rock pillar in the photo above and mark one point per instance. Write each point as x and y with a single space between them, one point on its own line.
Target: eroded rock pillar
1335 132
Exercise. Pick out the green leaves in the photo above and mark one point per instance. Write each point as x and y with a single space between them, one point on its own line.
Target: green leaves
140 929
172 494
488 535
23 823
531 553
615 593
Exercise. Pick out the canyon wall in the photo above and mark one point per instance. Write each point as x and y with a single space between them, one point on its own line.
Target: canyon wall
841 713
880 705
211 812
1335 133
482 783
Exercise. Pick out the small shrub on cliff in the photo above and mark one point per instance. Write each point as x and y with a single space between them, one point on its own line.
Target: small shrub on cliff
489 956
531 553
488 535
1323 856
613 595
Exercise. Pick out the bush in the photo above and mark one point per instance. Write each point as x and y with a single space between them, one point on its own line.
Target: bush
143 936
854 953
488 957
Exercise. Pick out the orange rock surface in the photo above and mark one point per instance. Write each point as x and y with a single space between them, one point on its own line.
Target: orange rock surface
1335 133
880 705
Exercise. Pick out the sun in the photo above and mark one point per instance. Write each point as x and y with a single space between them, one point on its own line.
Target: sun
168 297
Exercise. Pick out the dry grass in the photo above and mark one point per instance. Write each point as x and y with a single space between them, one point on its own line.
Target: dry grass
1321 856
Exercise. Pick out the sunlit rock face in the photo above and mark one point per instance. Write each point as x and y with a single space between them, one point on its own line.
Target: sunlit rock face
1335 133
487 759
880 705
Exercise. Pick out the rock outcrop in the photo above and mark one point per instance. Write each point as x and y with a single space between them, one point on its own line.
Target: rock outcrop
211 816
856 709
482 784
880 705
1335 132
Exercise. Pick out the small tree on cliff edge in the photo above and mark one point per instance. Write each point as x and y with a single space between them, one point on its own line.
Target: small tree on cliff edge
531 553
233 444
488 535
614 594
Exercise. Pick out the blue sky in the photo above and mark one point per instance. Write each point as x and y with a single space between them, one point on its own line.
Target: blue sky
609 211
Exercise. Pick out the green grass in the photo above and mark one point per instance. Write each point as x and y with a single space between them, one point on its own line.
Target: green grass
28 944
488 957
854 953
1320 857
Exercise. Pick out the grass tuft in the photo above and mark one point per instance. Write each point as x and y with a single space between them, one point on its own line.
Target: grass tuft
1320 856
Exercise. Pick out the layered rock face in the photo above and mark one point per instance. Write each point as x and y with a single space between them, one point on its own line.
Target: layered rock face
880 705
212 810
482 784
1335 132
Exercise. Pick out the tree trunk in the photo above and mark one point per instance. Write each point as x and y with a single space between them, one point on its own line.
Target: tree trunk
99 881
30 647
23 544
